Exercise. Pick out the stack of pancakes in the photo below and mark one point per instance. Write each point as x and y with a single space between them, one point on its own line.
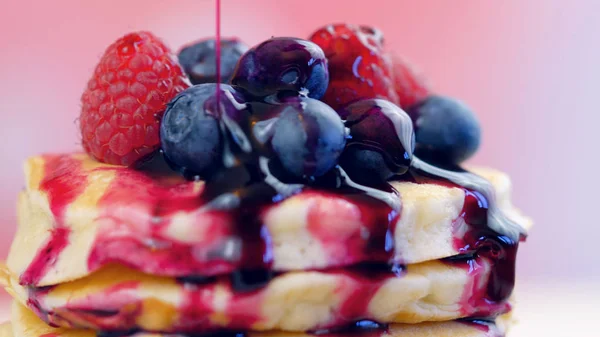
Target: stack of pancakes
112 251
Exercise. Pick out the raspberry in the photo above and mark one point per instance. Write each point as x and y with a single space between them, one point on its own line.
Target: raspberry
358 66
410 85
126 97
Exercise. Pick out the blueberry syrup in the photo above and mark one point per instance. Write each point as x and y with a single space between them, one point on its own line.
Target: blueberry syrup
62 188
218 47
373 224
371 277
482 232
484 214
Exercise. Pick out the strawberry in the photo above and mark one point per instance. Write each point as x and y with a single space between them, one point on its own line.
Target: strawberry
124 100
358 66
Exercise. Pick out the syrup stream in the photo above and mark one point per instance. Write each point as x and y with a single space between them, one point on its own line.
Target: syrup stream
218 47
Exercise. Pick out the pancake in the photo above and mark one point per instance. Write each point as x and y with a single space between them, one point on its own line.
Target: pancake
77 215
26 324
119 298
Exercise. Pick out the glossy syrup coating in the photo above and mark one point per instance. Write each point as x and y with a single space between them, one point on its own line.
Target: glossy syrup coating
381 140
283 63
198 59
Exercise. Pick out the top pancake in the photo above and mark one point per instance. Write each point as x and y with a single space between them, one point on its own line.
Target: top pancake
76 215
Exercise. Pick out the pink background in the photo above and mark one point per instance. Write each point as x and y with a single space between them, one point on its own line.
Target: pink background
529 68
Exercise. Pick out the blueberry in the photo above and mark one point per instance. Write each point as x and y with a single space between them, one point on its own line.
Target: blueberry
307 137
283 63
381 140
446 130
190 133
199 59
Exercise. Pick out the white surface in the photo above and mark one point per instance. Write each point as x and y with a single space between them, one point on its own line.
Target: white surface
557 310
545 310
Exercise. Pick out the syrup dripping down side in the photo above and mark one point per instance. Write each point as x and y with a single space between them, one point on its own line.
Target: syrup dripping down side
491 235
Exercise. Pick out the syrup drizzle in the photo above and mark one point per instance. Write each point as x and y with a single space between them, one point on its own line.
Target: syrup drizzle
218 47
490 235
495 220
250 180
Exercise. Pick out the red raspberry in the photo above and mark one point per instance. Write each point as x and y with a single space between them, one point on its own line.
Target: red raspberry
410 85
126 97
358 66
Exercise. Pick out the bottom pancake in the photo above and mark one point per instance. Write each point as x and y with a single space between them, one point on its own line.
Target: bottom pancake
26 324
118 298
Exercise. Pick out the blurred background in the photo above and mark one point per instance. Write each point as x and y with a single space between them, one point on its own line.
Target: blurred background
528 68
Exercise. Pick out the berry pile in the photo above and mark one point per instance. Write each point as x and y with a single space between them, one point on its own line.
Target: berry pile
271 111
307 107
